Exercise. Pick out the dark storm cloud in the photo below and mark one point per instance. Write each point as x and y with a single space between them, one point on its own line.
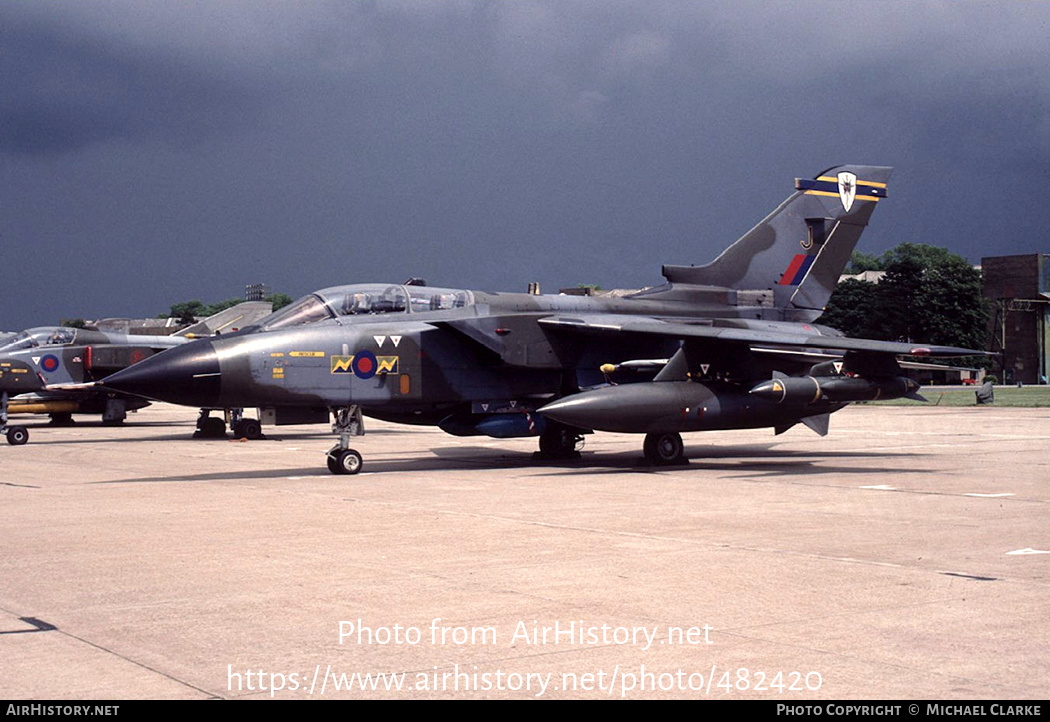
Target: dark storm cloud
67 89
181 149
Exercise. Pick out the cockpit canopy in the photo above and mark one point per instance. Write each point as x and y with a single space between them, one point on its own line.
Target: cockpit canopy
41 336
366 300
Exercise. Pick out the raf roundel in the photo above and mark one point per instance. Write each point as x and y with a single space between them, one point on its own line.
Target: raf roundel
365 364
49 363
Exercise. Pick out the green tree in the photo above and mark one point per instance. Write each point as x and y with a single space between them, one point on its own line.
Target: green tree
951 307
928 295
892 316
186 311
213 308
861 262
279 300
850 307
922 254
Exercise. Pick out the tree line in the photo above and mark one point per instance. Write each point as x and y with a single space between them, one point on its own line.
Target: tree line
188 311
926 295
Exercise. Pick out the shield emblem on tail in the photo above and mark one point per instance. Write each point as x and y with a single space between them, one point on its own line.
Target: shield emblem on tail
847 189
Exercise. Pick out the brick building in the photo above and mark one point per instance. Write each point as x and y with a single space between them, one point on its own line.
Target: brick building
1018 288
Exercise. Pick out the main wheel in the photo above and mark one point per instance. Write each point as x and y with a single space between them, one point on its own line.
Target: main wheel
210 428
248 429
560 442
346 461
664 449
17 435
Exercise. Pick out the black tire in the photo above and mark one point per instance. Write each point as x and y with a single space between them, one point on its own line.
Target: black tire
250 429
664 449
211 428
347 461
17 435
560 442
247 429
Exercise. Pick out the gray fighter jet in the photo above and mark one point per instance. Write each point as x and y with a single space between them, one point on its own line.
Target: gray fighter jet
723 346
50 369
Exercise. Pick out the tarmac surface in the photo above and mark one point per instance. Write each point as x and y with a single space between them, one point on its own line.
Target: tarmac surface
904 556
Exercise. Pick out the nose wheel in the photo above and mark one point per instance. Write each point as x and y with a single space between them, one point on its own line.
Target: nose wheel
347 422
16 435
344 461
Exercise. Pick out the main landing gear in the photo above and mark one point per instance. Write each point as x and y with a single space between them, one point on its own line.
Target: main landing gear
664 449
115 412
244 427
559 441
16 435
348 422
210 427
249 429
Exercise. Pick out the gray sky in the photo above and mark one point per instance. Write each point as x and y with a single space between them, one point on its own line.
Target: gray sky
158 151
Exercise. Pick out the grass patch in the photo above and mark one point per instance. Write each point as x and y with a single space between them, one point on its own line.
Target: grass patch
1007 396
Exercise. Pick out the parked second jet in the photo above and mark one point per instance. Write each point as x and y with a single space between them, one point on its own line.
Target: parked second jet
50 369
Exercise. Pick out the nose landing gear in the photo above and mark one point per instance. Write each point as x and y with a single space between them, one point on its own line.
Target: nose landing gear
348 422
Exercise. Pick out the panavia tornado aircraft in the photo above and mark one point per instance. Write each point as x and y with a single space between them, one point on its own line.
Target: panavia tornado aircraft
727 345
44 370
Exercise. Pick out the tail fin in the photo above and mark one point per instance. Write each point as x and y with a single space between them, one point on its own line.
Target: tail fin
231 319
799 250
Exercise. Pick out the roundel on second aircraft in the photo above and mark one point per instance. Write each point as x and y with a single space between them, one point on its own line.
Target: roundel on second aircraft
365 364
49 363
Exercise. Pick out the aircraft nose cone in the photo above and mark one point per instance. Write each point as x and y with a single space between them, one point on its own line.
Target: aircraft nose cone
187 375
